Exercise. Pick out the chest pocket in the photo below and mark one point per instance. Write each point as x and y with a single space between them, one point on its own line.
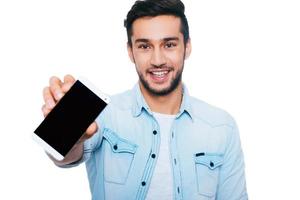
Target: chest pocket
118 157
207 170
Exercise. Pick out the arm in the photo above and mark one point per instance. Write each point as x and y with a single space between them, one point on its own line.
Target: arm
232 183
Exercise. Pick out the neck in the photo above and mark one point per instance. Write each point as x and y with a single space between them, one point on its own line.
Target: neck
167 104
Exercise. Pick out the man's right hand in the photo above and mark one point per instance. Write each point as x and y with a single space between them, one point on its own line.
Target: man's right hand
54 92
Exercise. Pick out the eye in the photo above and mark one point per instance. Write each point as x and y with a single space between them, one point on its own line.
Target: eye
143 46
169 45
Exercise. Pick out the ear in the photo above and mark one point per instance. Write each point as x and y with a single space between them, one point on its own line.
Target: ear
188 49
130 53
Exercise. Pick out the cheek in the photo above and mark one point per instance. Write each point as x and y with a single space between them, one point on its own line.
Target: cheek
141 60
176 59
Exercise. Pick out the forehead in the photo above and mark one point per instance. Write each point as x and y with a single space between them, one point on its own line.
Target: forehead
156 28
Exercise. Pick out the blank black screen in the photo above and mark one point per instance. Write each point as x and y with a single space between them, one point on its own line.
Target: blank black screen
70 118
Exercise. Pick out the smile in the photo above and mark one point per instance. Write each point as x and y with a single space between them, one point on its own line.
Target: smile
159 73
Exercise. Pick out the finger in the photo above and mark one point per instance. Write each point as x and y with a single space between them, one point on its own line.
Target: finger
91 130
48 98
55 88
45 110
69 79
66 87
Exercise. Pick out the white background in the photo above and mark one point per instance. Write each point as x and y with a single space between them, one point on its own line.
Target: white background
245 60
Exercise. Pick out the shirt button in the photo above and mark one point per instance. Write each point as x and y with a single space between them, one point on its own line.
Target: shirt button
115 147
153 155
154 132
143 183
211 164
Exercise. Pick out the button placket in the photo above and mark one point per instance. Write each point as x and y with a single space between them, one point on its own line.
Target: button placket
150 164
175 163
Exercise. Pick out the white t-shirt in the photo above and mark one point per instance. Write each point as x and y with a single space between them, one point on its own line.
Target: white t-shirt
161 186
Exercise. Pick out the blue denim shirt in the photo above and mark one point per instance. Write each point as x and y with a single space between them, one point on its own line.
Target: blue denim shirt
205 151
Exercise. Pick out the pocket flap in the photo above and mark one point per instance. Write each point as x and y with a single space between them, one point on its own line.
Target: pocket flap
211 160
118 144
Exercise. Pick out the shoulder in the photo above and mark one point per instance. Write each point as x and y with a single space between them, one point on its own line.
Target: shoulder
210 114
119 104
123 100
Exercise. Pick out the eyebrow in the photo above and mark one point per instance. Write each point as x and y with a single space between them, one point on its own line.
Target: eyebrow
164 39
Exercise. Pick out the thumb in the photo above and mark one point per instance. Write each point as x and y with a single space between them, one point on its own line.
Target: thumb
91 130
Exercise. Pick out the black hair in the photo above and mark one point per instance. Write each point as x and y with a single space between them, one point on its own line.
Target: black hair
152 8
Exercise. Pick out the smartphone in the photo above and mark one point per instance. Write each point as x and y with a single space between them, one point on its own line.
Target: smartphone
68 120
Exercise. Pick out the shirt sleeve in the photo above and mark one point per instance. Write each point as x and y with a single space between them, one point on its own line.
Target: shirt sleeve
232 182
87 151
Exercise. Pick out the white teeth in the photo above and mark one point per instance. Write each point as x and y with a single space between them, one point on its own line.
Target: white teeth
160 73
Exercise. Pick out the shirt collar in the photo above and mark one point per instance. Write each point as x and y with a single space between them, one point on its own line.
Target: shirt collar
140 103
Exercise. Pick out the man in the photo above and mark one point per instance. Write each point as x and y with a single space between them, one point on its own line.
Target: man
155 141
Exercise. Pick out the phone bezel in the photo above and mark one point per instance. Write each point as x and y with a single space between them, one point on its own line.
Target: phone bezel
48 148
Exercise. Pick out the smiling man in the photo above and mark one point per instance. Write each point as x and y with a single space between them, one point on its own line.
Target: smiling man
156 141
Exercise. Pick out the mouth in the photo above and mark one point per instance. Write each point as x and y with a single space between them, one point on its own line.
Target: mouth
159 75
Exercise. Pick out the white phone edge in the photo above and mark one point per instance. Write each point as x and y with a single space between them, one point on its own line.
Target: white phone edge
47 147
94 89
50 149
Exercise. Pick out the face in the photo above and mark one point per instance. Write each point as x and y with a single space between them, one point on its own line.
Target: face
158 52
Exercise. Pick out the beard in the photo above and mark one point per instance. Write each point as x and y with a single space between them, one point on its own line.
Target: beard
165 91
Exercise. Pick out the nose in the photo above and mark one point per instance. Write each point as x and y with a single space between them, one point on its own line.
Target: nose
158 58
